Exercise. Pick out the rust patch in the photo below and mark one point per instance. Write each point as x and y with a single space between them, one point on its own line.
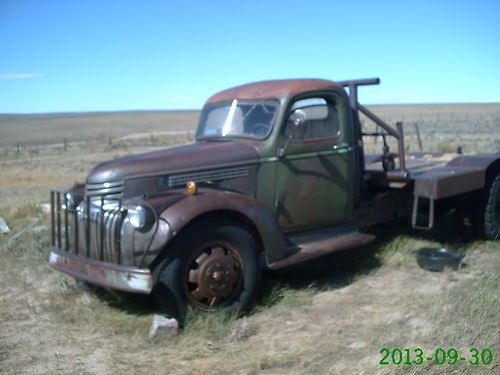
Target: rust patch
275 89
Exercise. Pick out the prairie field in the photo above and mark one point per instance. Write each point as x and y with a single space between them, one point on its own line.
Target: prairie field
329 316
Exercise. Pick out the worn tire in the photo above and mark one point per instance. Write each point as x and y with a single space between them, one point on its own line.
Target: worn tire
195 259
487 219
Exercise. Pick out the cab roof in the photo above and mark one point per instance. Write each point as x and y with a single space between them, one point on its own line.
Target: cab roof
274 89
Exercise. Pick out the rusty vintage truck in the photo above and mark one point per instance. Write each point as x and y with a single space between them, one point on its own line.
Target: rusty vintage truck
277 175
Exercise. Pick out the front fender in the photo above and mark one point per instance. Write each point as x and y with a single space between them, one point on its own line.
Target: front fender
185 210
176 209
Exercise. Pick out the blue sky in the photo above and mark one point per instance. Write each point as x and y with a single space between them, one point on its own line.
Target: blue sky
58 56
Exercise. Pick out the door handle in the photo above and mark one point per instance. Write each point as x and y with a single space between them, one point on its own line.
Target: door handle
340 145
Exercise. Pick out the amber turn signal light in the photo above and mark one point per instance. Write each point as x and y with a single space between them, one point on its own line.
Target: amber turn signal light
191 187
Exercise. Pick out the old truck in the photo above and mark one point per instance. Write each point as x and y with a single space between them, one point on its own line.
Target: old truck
277 175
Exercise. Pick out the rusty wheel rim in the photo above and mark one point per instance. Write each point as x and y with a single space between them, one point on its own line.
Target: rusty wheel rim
214 276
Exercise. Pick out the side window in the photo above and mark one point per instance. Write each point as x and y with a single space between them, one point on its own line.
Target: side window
321 120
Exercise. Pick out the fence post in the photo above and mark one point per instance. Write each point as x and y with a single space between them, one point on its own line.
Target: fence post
419 140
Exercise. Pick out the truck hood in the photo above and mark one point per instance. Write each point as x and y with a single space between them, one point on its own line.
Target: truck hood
199 155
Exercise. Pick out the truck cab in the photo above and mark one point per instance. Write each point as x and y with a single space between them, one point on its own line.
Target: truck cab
277 172
305 143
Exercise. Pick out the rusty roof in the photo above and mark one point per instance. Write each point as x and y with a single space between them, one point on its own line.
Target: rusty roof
275 89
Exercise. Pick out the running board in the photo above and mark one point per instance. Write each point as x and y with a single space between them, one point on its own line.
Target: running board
318 243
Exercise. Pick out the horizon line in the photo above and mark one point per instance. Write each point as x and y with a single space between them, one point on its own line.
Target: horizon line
110 111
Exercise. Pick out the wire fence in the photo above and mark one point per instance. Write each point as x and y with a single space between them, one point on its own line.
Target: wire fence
103 141
473 134
443 132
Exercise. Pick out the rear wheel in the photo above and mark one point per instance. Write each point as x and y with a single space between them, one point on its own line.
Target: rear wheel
488 217
214 265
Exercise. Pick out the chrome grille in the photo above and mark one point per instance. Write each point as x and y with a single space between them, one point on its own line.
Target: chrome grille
100 235
92 229
213 175
107 190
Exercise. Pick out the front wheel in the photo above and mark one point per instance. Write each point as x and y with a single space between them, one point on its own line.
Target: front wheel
213 265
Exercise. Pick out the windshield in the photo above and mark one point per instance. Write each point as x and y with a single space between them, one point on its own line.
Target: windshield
245 119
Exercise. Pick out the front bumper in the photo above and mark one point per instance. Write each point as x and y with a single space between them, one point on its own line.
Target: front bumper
108 275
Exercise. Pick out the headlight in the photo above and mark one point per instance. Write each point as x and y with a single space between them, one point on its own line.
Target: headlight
70 201
139 216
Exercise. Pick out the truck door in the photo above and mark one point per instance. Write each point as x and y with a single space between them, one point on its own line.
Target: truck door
314 178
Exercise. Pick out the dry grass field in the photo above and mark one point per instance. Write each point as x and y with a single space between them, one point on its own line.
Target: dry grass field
42 129
329 316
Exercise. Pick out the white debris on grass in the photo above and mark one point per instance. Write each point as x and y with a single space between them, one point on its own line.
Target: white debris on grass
4 228
45 208
163 327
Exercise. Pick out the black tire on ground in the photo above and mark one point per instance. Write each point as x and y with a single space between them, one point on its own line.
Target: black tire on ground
487 219
213 265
